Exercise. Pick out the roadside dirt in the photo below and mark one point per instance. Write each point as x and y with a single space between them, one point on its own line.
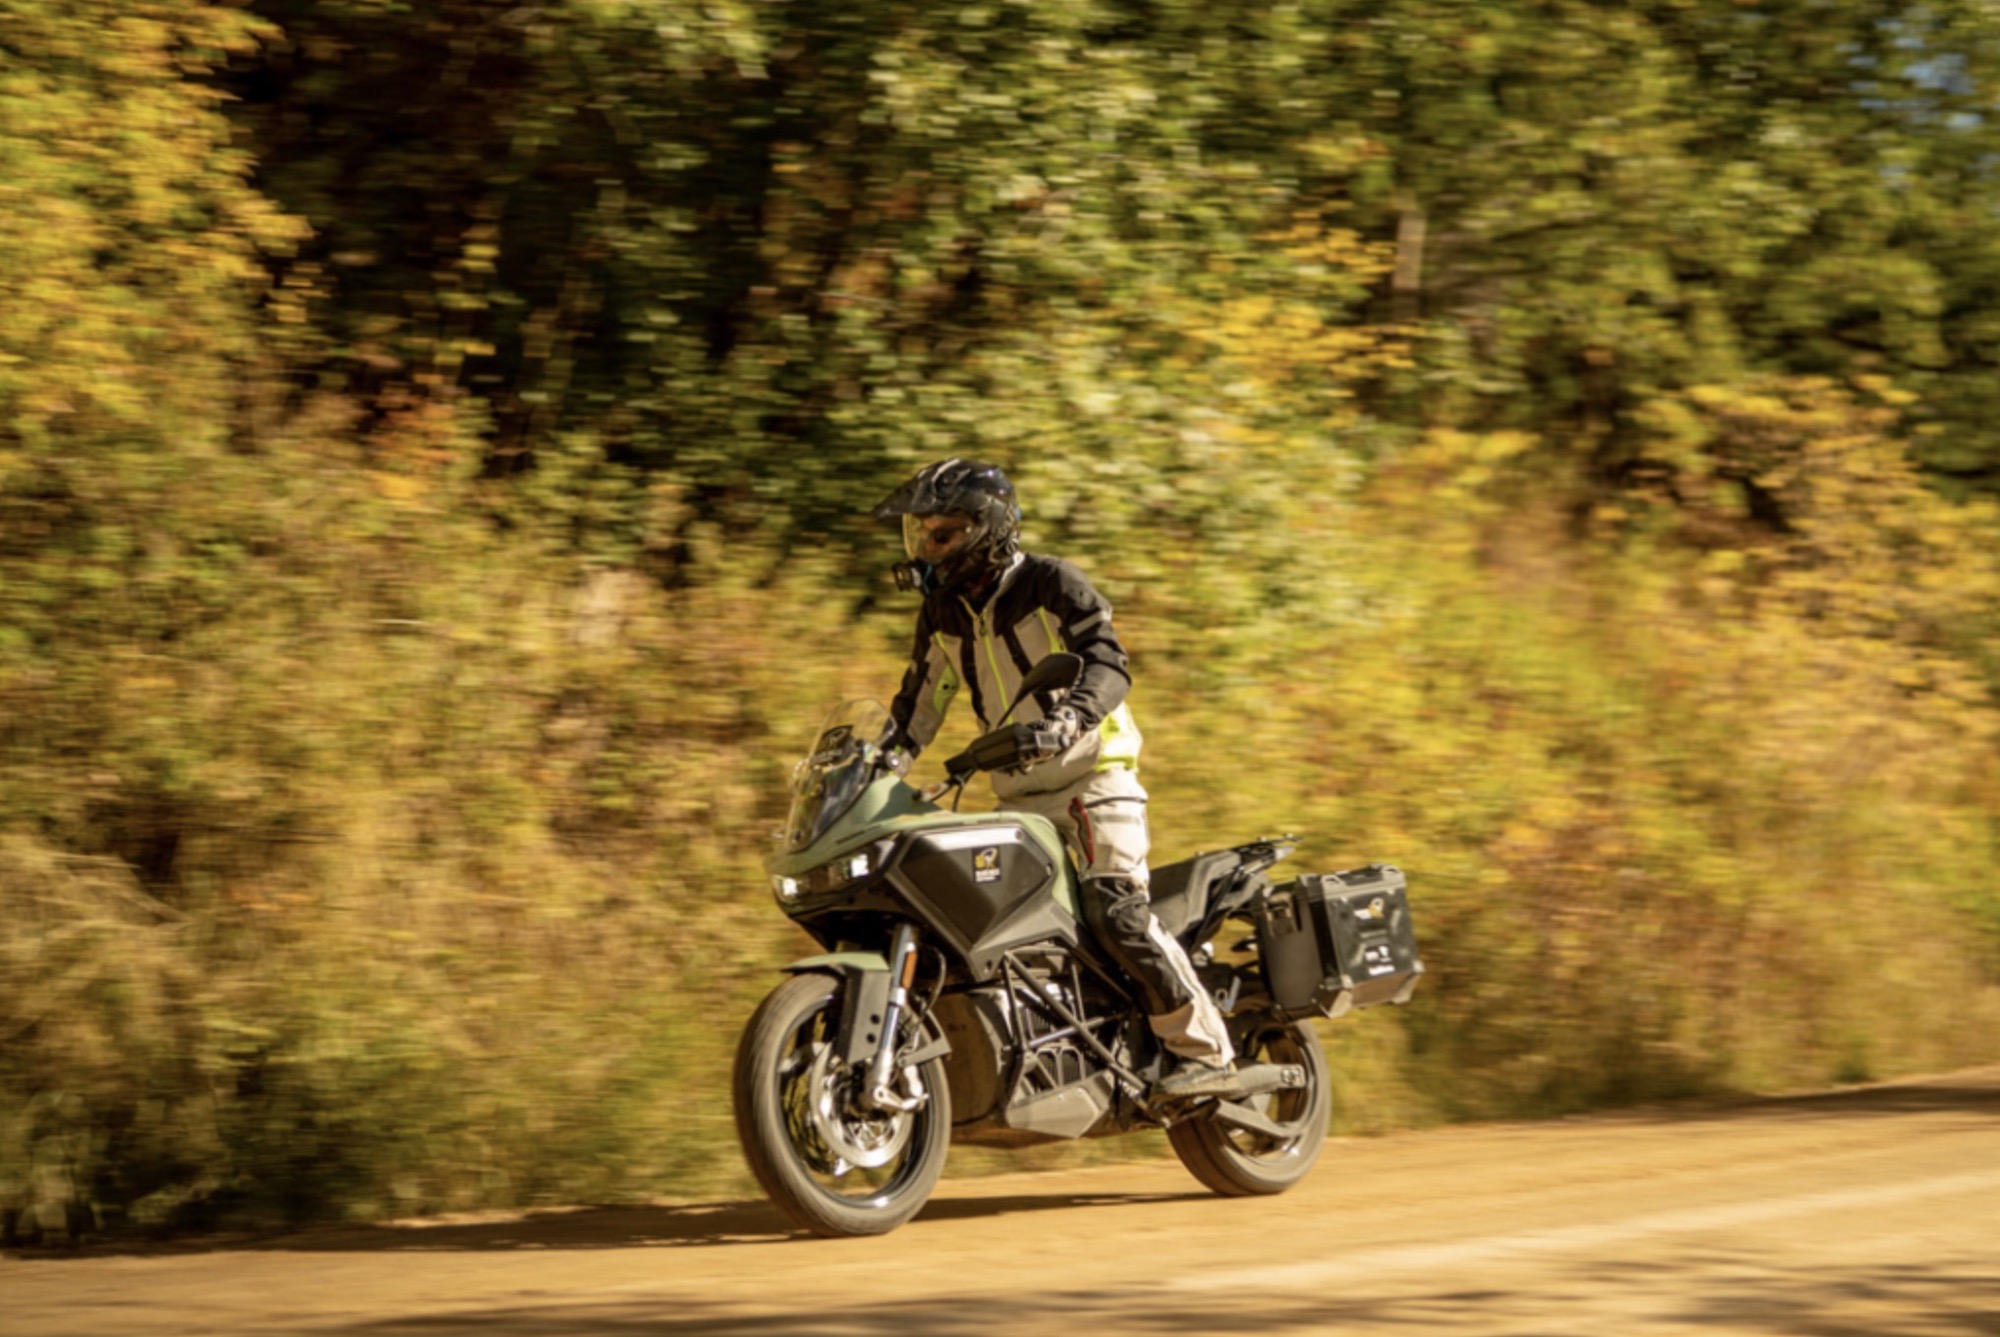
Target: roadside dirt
1872 1211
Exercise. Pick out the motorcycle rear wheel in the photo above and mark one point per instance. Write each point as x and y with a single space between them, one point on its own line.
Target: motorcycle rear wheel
1237 1162
832 1170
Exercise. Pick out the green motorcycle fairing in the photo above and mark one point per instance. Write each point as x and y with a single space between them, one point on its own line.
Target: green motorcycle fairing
985 882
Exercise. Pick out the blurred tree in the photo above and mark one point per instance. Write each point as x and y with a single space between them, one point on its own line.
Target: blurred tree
131 250
767 247
781 251
130 234
1618 203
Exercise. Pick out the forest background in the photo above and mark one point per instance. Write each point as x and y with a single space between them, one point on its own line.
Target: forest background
1547 446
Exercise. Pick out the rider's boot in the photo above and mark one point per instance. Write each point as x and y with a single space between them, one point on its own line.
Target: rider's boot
1195 1036
1194 1077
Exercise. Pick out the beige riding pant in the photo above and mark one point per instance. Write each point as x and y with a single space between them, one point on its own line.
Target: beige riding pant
1103 820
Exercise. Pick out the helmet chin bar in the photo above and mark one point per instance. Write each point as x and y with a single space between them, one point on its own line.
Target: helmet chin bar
926 577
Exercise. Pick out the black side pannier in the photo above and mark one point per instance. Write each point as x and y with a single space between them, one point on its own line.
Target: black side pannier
1331 942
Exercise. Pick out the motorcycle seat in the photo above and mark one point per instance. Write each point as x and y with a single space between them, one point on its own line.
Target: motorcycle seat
1182 892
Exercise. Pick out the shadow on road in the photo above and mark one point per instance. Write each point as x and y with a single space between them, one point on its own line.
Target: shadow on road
649 1227
1975 1095
1941 1097
1699 1292
693 1225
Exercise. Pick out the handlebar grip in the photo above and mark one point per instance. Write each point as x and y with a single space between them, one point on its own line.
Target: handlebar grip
995 751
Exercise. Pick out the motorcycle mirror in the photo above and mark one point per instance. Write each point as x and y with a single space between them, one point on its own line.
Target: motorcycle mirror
1057 672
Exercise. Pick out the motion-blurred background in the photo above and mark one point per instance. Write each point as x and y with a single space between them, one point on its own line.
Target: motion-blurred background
1546 446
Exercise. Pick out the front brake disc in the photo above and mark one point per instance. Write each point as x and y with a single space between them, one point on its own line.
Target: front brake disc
860 1140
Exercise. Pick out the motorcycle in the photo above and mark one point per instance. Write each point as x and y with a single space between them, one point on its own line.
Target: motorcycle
963 998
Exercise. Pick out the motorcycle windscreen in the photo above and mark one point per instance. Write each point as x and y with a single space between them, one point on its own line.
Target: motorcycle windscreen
839 767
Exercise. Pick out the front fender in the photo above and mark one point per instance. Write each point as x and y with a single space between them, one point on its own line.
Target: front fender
862 1002
840 963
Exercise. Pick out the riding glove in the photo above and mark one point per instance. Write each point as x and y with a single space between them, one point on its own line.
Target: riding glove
1051 735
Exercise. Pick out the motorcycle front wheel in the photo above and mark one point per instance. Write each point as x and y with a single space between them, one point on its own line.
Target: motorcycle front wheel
1238 1162
832 1167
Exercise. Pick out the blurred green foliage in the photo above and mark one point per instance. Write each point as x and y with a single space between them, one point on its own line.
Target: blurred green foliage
1537 445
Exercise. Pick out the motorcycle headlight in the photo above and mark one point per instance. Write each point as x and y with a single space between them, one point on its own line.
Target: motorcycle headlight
831 876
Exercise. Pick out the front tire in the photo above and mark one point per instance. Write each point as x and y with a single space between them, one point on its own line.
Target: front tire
1238 1163
833 1170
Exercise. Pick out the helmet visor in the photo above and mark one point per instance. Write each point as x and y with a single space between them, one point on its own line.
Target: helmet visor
936 539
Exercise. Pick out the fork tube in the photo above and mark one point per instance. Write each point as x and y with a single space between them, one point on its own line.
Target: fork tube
902 967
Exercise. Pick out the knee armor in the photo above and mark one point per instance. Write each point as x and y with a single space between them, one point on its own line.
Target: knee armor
1120 913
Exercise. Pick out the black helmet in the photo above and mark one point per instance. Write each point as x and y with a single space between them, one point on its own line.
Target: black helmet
978 493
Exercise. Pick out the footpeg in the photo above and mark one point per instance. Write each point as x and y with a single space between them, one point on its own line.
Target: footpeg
1262 1077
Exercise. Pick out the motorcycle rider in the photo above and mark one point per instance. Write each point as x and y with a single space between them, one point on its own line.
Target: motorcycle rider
990 611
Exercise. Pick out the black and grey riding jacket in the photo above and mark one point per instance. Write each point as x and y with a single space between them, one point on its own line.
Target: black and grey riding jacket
1040 606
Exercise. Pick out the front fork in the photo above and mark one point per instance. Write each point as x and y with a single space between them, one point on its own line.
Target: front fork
876 1092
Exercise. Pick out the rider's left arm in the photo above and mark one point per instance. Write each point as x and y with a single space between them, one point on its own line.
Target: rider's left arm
1085 618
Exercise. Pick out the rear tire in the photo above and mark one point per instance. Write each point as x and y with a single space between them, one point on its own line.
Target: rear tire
1238 1163
832 1170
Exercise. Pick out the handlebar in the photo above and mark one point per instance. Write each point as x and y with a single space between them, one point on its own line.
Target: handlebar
996 751
1011 745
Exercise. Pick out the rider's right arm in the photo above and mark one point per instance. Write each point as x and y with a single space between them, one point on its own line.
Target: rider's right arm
928 685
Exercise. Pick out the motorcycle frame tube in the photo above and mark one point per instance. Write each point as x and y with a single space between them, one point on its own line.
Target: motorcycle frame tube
1015 976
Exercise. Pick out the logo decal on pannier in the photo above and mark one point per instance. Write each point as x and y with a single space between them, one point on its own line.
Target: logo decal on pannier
986 865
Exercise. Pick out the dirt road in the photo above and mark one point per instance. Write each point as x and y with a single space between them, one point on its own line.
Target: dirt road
1872 1212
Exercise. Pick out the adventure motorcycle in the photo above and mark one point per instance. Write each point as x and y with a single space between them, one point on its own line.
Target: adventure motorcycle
962 995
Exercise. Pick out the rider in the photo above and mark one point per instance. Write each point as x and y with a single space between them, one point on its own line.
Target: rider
990 612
